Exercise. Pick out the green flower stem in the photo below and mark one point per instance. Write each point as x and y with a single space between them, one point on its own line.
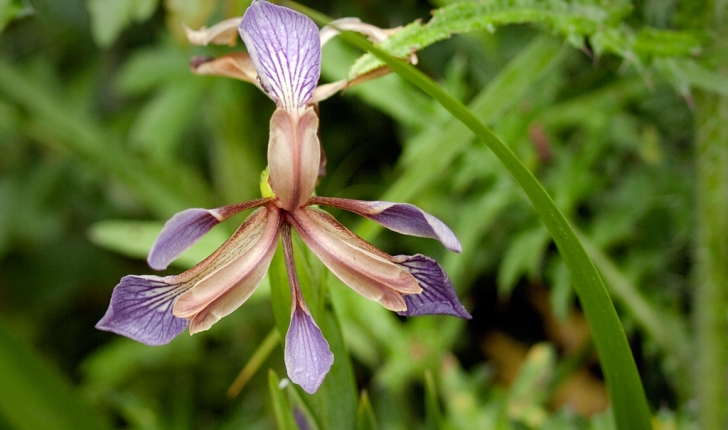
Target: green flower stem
711 270
628 399
256 361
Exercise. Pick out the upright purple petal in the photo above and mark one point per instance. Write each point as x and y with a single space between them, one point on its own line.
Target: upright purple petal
307 354
185 228
141 309
286 50
437 296
400 217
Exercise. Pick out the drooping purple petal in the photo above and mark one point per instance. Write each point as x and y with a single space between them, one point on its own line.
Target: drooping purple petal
437 296
180 232
400 217
141 309
307 354
185 228
286 50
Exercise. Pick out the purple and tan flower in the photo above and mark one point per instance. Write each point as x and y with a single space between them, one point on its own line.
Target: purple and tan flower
285 50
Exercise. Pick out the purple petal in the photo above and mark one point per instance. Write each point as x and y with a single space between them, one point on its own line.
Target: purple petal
301 419
286 51
400 217
141 309
179 233
307 354
437 296
185 228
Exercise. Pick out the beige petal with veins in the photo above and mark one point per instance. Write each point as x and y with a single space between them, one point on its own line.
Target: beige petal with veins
234 273
361 266
222 33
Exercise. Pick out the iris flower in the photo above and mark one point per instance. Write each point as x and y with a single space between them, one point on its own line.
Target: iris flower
285 50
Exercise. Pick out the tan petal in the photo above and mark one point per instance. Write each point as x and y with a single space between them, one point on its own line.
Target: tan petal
222 33
323 92
358 264
374 34
234 273
294 156
234 297
236 65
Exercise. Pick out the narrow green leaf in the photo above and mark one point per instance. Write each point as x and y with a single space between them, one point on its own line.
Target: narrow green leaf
256 360
366 420
36 396
628 398
433 414
665 327
283 411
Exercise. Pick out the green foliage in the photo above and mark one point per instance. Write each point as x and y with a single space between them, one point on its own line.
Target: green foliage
616 107
11 10
135 238
629 402
35 396
110 17
576 21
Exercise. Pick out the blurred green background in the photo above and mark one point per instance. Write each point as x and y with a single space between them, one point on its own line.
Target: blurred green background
105 133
